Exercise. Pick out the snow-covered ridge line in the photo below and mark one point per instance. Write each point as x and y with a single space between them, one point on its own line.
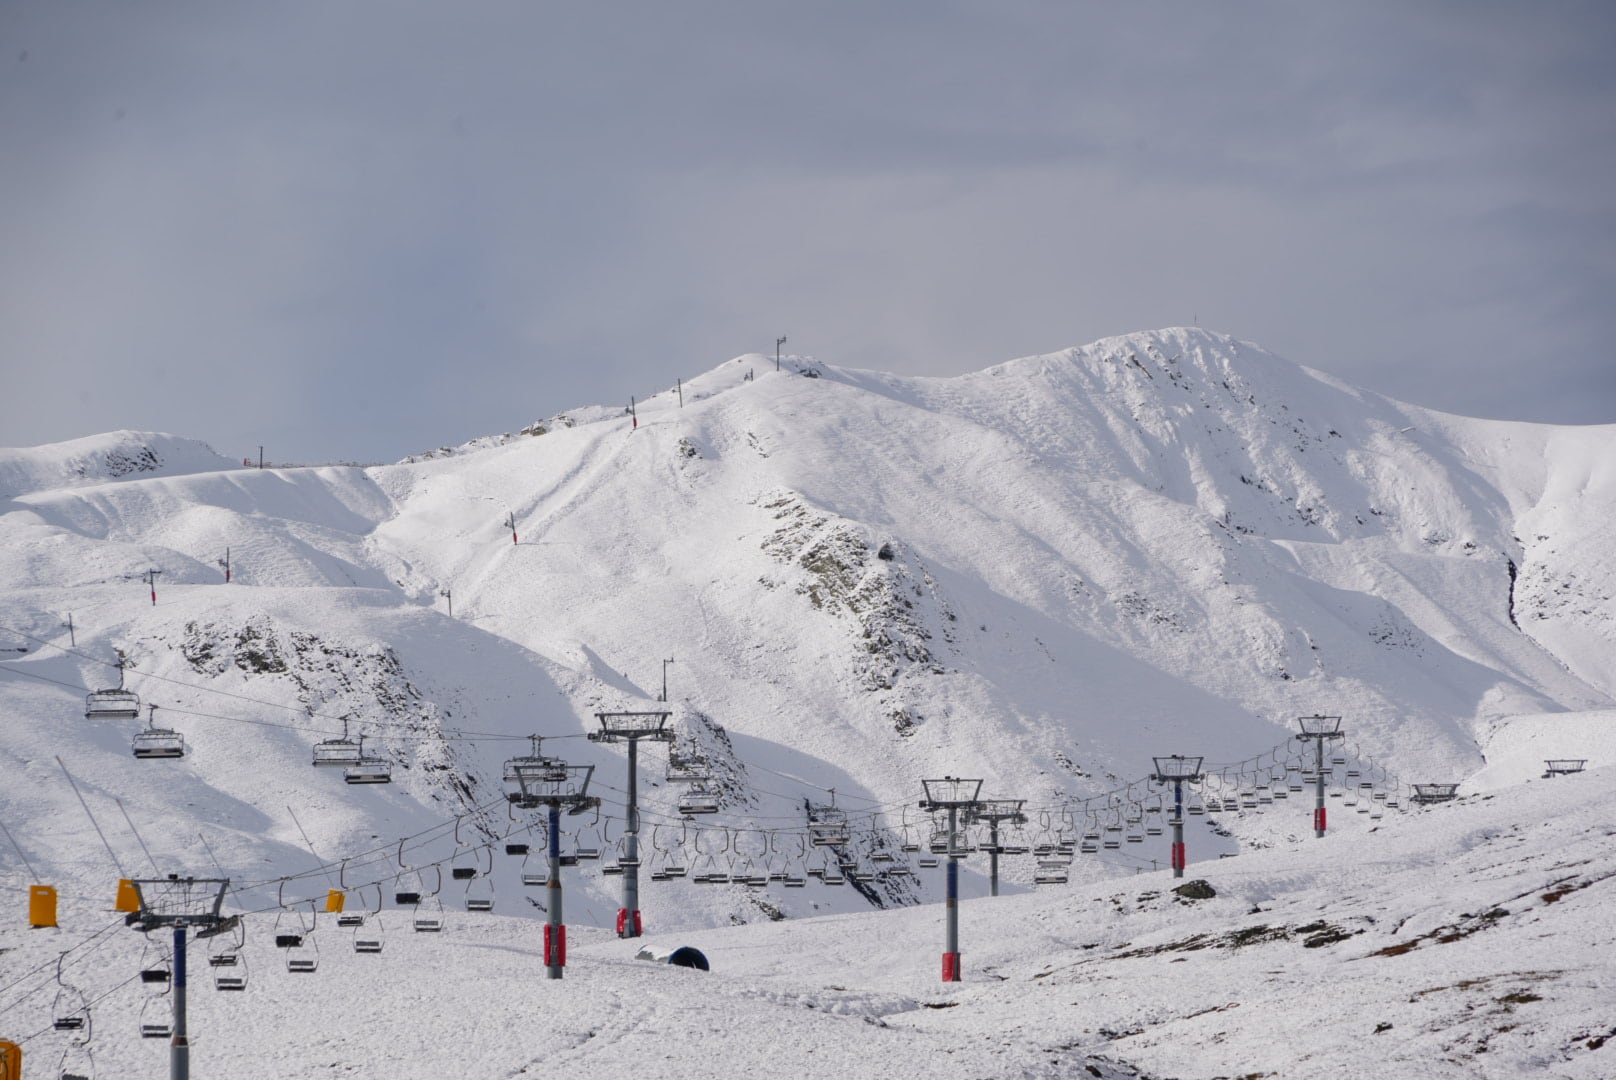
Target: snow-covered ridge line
1043 574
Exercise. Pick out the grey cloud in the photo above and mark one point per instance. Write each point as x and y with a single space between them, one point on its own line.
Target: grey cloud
367 228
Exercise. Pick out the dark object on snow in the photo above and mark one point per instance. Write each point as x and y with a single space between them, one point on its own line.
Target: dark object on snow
685 956
1196 890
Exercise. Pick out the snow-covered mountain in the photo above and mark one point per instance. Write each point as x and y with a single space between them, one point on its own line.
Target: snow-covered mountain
1041 574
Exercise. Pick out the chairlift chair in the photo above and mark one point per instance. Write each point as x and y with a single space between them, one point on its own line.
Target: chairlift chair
232 977
369 936
227 960
480 892
586 848
368 939
155 973
368 768
1053 875
156 742
338 753
428 917
114 704
698 800
304 957
156 1021
349 919
77 1062
71 1009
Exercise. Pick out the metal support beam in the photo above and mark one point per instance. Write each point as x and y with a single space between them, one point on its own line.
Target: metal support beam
555 931
631 727
179 1047
1318 730
953 795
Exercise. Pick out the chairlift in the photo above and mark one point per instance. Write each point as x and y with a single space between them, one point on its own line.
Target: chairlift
827 825
367 936
227 960
686 770
535 871
304 957
531 772
156 742
707 872
349 919
114 704
586 848
1050 873
368 769
233 977
156 1020
698 800
77 1062
368 939
338 753
428 915
71 1009
155 973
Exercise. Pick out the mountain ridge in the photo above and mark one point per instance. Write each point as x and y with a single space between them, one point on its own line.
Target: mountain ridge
1044 572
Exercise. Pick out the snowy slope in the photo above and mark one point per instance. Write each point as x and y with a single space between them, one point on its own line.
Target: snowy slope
116 455
1042 574
1471 940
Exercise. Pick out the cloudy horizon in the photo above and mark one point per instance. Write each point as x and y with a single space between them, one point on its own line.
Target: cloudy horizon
359 230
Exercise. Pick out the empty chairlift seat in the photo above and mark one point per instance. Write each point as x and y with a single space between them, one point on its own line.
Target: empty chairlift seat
112 705
158 742
340 753
698 800
368 769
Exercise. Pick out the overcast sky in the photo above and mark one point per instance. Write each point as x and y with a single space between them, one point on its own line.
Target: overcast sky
353 230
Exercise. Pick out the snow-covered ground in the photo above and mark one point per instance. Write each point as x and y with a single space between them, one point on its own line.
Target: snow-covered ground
1043 575
1474 939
